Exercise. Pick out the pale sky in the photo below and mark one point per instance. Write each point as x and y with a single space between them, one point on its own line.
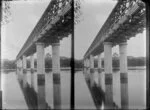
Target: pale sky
95 12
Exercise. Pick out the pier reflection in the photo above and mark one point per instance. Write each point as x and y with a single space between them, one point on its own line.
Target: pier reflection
30 95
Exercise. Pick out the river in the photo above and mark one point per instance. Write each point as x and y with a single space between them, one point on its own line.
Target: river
13 97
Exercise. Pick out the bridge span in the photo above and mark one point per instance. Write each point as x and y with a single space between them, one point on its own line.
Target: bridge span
127 19
55 24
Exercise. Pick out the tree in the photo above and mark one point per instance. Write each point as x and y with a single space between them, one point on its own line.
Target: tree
5 11
77 11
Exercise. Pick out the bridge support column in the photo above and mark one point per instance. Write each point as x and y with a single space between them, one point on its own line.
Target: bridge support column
99 69
17 68
56 75
108 75
123 75
32 70
20 70
24 71
91 70
85 70
84 63
19 78
88 68
41 75
17 65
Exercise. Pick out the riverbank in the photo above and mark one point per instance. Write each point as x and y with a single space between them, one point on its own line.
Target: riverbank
78 69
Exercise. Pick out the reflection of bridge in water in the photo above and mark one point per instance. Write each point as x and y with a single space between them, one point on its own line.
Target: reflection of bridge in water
126 20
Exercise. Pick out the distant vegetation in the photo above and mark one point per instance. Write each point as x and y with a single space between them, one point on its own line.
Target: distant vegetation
65 62
132 61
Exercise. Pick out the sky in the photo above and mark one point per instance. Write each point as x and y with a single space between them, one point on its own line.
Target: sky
25 15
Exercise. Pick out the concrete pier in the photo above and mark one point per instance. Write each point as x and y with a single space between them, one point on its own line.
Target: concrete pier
91 70
84 69
41 75
32 70
108 75
17 62
99 70
123 75
24 59
56 75
88 68
20 70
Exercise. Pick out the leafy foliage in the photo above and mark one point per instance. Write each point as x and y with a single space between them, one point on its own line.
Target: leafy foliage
77 11
5 13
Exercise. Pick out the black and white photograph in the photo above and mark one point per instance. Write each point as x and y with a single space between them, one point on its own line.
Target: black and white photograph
74 54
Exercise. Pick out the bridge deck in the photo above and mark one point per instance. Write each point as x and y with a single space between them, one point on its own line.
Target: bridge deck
125 21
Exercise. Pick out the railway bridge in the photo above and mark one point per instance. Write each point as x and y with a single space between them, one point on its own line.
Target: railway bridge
55 24
127 19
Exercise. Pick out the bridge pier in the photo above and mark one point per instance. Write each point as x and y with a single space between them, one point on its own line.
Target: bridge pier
24 70
99 70
108 75
32 70
123 75
19 70
56 75
84 62
17 66
41 75
91 70
86 69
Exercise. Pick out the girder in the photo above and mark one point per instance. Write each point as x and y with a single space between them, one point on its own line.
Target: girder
125 21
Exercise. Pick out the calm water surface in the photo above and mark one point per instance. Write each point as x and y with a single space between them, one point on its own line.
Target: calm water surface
13 97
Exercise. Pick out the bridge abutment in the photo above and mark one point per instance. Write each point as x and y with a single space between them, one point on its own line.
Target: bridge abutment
41 75
56 75
108 75
123 75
